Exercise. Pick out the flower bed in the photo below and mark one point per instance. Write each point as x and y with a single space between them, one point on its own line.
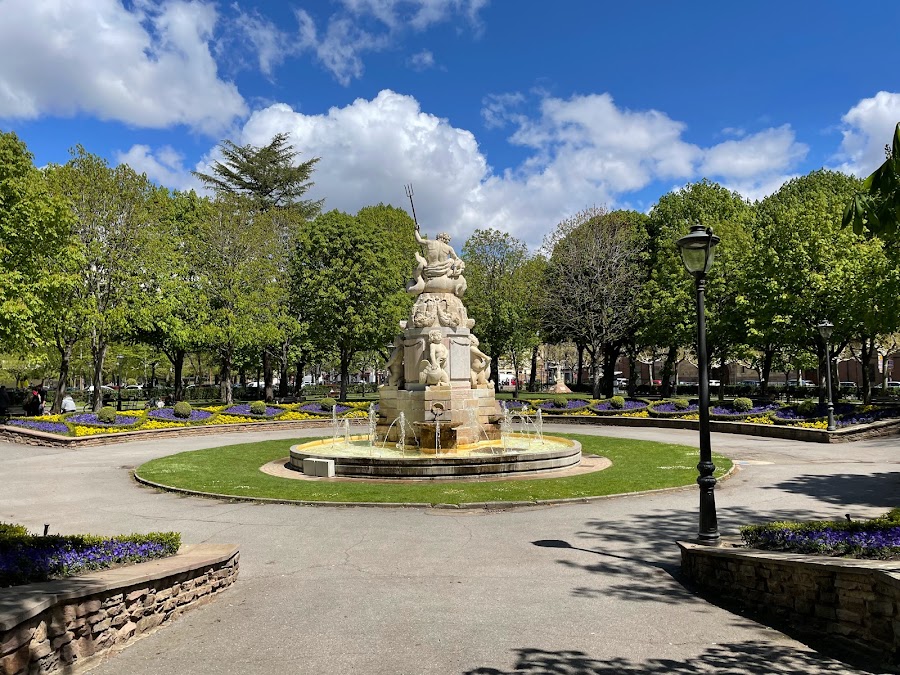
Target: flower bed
792 415
727 412
39 425
91 420
669 409
878 538
572 405
168 415
244 410
26 558
606 408
315 408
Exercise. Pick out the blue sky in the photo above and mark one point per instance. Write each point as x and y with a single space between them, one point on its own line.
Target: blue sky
506 114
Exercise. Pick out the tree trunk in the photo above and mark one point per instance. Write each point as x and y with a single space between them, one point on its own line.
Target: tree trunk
578 379
632 371
666 387
532 377
495 373
225 379
610 358
768 355
865 358
98 350
283 371
346 356
268 375
65 357
298 377
723 377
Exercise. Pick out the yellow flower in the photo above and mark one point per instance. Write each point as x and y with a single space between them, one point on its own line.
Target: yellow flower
351 414
235 419
214 408
92 431
690 416
812 425
760 419
296 415
637 413
160 424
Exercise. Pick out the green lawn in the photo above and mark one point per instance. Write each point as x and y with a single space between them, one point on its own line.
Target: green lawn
234 470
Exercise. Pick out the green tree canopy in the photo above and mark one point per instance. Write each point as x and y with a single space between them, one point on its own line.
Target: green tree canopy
267 174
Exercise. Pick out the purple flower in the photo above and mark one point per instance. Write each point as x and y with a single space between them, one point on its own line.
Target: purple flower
756 410
48 427
629 405
92 419
168 415
669 407
244 409
317 409
571 404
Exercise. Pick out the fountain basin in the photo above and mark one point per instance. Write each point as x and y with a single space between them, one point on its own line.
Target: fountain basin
522 455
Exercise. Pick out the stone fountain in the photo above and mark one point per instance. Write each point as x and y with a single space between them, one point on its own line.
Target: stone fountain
437 414
438 374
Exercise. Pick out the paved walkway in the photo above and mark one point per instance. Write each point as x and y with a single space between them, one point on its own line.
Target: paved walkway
362 590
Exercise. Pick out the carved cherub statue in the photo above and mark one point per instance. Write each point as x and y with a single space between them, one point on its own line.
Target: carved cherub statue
479 363
432 370
395 364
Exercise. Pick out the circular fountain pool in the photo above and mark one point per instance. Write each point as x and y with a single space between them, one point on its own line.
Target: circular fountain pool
515 454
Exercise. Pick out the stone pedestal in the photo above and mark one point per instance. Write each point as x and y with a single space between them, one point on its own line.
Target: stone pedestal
469 415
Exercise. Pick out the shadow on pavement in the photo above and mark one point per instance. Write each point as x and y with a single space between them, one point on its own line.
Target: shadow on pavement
877 489
724 659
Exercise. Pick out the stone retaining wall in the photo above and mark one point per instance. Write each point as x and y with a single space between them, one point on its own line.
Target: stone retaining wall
882 428
855 603
62 625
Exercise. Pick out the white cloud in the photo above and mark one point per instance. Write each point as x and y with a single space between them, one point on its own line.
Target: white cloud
148 66
373 25
422 60
762 154
583 150
869 126
497 109
271 44
165 166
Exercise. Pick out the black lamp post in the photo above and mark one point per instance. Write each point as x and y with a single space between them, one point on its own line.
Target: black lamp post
698 250
119 382
825 330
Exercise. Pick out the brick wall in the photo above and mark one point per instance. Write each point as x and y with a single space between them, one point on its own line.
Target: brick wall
59 625
854 602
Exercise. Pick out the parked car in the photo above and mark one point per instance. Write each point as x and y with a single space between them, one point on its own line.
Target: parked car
105 388
134 386
893 385
847 384
714 383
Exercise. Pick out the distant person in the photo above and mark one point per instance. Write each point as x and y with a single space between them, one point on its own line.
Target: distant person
4 402
68 404
33 403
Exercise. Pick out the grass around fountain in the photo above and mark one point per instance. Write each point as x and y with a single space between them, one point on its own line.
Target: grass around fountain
234 470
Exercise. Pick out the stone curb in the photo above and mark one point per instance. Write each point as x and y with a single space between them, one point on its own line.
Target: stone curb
20 603
423 505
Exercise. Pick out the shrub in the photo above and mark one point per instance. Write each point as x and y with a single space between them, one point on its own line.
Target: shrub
107 415
327 403
558 401
681 404
617 402
807 407
182 409
7 530
131 381
258 408
742 404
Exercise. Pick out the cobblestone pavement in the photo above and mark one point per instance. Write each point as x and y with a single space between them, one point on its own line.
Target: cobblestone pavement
369 590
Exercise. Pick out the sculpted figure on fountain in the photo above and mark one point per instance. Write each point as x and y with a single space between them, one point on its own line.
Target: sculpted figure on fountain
439 270
432 370
480 363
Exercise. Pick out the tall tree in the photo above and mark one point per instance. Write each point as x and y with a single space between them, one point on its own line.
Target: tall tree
114 225
34 226
271 177
499 296
236 261
594 274
345 277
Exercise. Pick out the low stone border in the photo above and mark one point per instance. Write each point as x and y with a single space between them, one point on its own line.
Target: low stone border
67 623
849 434
24 436
15 434
855 603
